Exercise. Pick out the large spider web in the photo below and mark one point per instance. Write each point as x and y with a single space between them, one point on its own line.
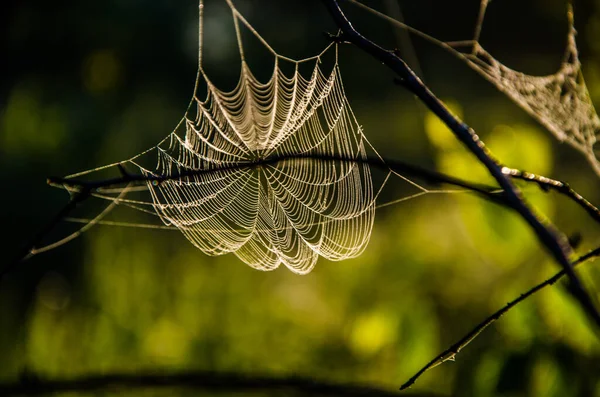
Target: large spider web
288 212
271 171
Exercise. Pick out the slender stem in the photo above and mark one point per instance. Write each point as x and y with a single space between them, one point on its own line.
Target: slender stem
26 252
450 353
551 184
551 238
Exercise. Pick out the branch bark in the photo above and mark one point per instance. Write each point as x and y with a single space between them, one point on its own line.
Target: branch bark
550 237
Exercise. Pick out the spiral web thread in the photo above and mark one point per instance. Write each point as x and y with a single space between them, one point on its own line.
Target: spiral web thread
287 212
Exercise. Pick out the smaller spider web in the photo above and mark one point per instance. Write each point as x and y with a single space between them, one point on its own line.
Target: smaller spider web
272 171
560 102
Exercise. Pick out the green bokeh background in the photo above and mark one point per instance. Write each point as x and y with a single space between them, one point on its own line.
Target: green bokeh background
90 83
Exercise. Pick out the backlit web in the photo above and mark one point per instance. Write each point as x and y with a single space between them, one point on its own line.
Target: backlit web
287 211
560 101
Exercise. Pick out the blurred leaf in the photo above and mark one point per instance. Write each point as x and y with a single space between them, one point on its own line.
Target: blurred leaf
30 126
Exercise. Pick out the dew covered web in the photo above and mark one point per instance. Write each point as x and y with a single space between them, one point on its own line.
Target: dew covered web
289 211
560 101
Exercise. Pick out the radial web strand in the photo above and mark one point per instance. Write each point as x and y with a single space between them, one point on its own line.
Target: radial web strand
212 178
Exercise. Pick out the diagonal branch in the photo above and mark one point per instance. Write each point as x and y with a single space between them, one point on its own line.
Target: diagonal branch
549 236
450 353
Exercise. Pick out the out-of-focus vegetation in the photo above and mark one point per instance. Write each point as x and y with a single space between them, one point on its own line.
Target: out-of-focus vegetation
90 83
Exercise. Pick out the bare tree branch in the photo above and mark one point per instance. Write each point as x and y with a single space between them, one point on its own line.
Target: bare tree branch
450 353
548 235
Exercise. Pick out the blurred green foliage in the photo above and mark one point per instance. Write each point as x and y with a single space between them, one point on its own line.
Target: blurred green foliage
97 83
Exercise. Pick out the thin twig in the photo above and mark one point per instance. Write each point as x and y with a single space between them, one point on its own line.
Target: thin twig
452 351
26 252
200 381
548 235
551 184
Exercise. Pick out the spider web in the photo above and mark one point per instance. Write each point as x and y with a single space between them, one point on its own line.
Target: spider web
212 178
560 102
